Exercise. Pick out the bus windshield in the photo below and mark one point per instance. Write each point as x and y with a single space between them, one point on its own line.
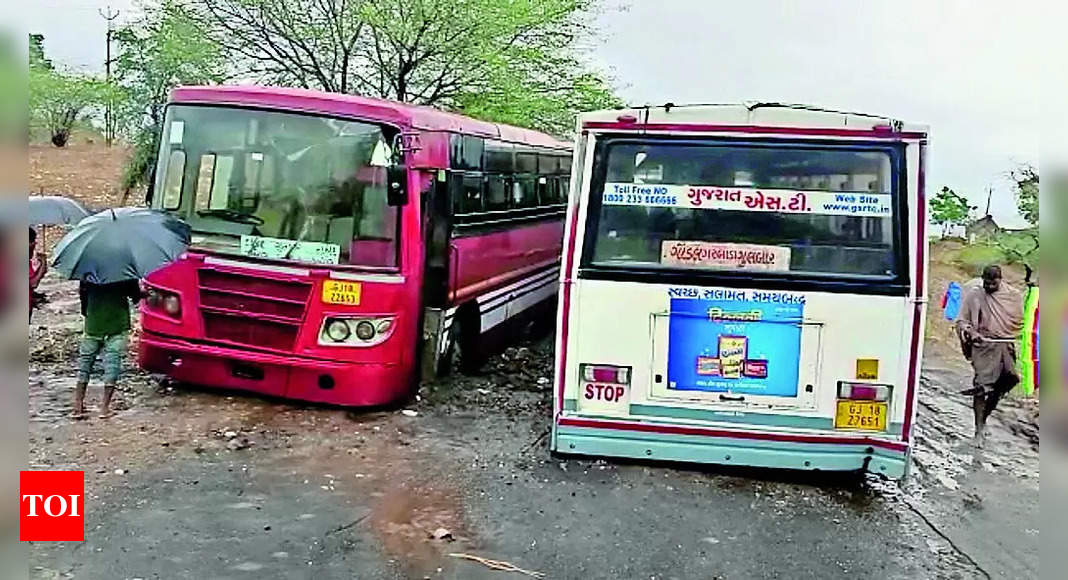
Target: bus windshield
279 185
798 210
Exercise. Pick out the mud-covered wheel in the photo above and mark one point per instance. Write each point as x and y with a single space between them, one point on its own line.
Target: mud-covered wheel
466 352
543 320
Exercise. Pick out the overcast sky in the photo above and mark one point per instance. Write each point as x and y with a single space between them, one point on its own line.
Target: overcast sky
977 72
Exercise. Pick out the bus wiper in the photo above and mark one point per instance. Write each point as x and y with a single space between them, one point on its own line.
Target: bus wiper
232 216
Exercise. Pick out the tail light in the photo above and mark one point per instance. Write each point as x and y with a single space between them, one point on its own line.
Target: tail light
863 391
355 331
166 302
606 374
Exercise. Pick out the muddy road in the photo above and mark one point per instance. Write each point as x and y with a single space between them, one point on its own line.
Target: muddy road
185 483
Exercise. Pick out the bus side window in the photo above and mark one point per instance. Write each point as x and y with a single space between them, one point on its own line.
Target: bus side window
526 162
499 158
470 197
456 193
548 164
471 155
456 151
544 187
497 193
524 195
554 190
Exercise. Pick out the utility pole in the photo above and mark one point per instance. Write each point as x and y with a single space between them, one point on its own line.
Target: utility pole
989 194
109 121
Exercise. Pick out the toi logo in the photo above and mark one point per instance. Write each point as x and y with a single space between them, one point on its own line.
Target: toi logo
51 506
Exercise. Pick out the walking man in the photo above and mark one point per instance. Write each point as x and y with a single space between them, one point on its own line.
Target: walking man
991 318
106 308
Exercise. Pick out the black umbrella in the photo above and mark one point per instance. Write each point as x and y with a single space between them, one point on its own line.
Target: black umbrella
53 209
120 244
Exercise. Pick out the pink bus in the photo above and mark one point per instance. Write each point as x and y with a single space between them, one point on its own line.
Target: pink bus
343 247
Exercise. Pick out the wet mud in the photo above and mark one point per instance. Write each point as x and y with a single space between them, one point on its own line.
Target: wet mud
199 483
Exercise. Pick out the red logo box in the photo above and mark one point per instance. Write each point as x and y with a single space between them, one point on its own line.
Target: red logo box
51 506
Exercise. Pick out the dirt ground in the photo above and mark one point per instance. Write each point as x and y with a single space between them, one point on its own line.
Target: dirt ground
186 483
86 170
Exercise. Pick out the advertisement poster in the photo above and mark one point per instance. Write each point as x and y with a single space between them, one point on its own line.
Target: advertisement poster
744 342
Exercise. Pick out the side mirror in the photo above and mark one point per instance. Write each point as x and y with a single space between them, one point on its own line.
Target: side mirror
396 186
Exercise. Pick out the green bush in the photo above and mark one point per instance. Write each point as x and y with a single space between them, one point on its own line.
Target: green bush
1017 247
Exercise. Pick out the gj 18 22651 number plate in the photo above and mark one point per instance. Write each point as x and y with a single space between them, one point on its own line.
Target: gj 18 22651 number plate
864 415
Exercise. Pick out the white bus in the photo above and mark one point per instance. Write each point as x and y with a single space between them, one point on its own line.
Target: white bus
743 284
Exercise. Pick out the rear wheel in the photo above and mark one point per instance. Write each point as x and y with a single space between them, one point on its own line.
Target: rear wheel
470 355
543 321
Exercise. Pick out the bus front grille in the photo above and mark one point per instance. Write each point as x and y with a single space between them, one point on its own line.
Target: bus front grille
252 310
243 330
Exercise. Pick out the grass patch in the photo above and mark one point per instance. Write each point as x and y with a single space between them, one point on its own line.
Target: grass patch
1002 249
974 258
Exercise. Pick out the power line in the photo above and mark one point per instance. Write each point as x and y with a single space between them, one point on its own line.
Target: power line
109 123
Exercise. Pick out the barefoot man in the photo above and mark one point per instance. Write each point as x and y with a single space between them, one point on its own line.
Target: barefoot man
991 318
106 308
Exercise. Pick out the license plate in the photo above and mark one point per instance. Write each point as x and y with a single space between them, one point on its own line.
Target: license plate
335 292
863 415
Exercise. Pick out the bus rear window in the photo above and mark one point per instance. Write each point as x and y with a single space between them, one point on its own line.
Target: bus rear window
798 210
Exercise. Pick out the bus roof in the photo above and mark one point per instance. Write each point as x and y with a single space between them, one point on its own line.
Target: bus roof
403 115
765 118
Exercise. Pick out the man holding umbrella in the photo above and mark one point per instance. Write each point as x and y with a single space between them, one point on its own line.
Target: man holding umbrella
108 253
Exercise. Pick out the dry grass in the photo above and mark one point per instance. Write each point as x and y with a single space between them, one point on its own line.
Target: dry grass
85 170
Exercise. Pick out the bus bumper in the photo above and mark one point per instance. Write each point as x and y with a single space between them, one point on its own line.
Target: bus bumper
289 376
731 451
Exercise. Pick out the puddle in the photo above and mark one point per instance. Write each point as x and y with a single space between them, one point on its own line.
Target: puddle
404 519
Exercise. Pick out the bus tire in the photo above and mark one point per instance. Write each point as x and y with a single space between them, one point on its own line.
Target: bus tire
543 320
468 351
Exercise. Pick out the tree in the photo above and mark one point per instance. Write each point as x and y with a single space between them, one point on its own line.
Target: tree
1025 178
304 43
163 49
501 60
949 208
1026 192
58 99
37 53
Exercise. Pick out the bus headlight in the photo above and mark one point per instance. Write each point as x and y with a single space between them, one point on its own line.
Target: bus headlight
337 330
172 305
355 331
365 330
167 302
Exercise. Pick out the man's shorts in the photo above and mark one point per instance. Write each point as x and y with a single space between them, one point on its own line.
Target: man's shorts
114 351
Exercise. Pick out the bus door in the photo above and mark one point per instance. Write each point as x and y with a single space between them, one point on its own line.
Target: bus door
437 231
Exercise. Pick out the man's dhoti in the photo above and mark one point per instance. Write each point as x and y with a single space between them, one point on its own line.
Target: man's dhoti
995 366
